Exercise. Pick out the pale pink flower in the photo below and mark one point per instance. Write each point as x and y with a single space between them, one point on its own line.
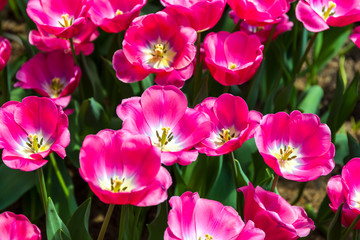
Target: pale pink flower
355 37
5 52
157 43
351 184
65 18
274 215
234 124
162 114
259 12
232 58
124 169
336 195
115 15
17 227
192 217
296 146
203 14
30 130
318 15
52 74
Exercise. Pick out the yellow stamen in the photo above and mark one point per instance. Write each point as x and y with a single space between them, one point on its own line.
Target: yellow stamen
119 12
159 50
328 12
285 154
66 22
56 87
232 66
225 135
33 143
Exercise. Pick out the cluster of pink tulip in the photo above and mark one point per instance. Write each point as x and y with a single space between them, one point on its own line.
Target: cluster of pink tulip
125 166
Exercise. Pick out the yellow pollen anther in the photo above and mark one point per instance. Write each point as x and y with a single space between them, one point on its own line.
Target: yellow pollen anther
232 66
285 154
165 137
119 12
66 22
159 50
56 87
225 135
207 237
34 144
116 184
328 12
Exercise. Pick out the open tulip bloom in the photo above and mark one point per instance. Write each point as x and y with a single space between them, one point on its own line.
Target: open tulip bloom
162 114
30 130
351 184
355 37
124 169
297 146
17 227
5 51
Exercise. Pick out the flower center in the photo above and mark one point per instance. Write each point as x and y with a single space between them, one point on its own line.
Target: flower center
56 87
119 12
207 237
232 66
285 154
34 145
117 185
160 55
65 21
329 11
165 137
224 136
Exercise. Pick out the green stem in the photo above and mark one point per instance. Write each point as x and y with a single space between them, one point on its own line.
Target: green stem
106 222
267 45
73 51
136 220
276 178
43 188
346 49
232 158
58 174
301 191
236 27
351 227
197 77
124 210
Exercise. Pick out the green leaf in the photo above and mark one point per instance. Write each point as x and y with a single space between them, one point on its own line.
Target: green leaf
78 224
324 214
241 178
354 148
334 232
311 101
342 149
14 183
157 227
91 71
55 228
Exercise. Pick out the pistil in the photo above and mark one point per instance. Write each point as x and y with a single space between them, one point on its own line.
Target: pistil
328 12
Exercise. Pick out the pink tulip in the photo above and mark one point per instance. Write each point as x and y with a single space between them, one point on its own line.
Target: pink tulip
124 169
296 146
162 114
336 195
57 77
234 124
65 18
17 227
192 217
355 37
157 43
351 184
47 42
260 12
274 215
30 130
115 16
264 32
318 15
232 58
2 4
5 52
203 14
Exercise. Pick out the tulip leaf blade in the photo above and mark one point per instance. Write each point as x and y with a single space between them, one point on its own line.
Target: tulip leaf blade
55 227
78 224
334 232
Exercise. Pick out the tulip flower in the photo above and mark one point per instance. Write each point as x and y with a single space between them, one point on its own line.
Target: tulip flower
336 195
57 78
318 15
297 146
274 215
162 114
5 51
203 14
17 227
115 16
234 124
30 130
124 169
157 43
232 58
2 4
192 217
355 37
351 184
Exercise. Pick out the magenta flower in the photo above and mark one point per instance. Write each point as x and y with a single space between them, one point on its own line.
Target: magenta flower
65 18
258 12
5 52
17 227
115 16
162 114
234 124
157 43
232 58
318 15
124 169
47 42
2 4
203 14
296 146
355 37
192 217
274 215
351 184
264 32
337 196
30 130
57 77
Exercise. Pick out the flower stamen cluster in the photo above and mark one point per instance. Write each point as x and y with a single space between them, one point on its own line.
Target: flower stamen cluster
67 22
165 137
34 145
285 154
327 12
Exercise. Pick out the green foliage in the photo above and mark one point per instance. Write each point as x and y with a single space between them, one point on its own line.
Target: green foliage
55 227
